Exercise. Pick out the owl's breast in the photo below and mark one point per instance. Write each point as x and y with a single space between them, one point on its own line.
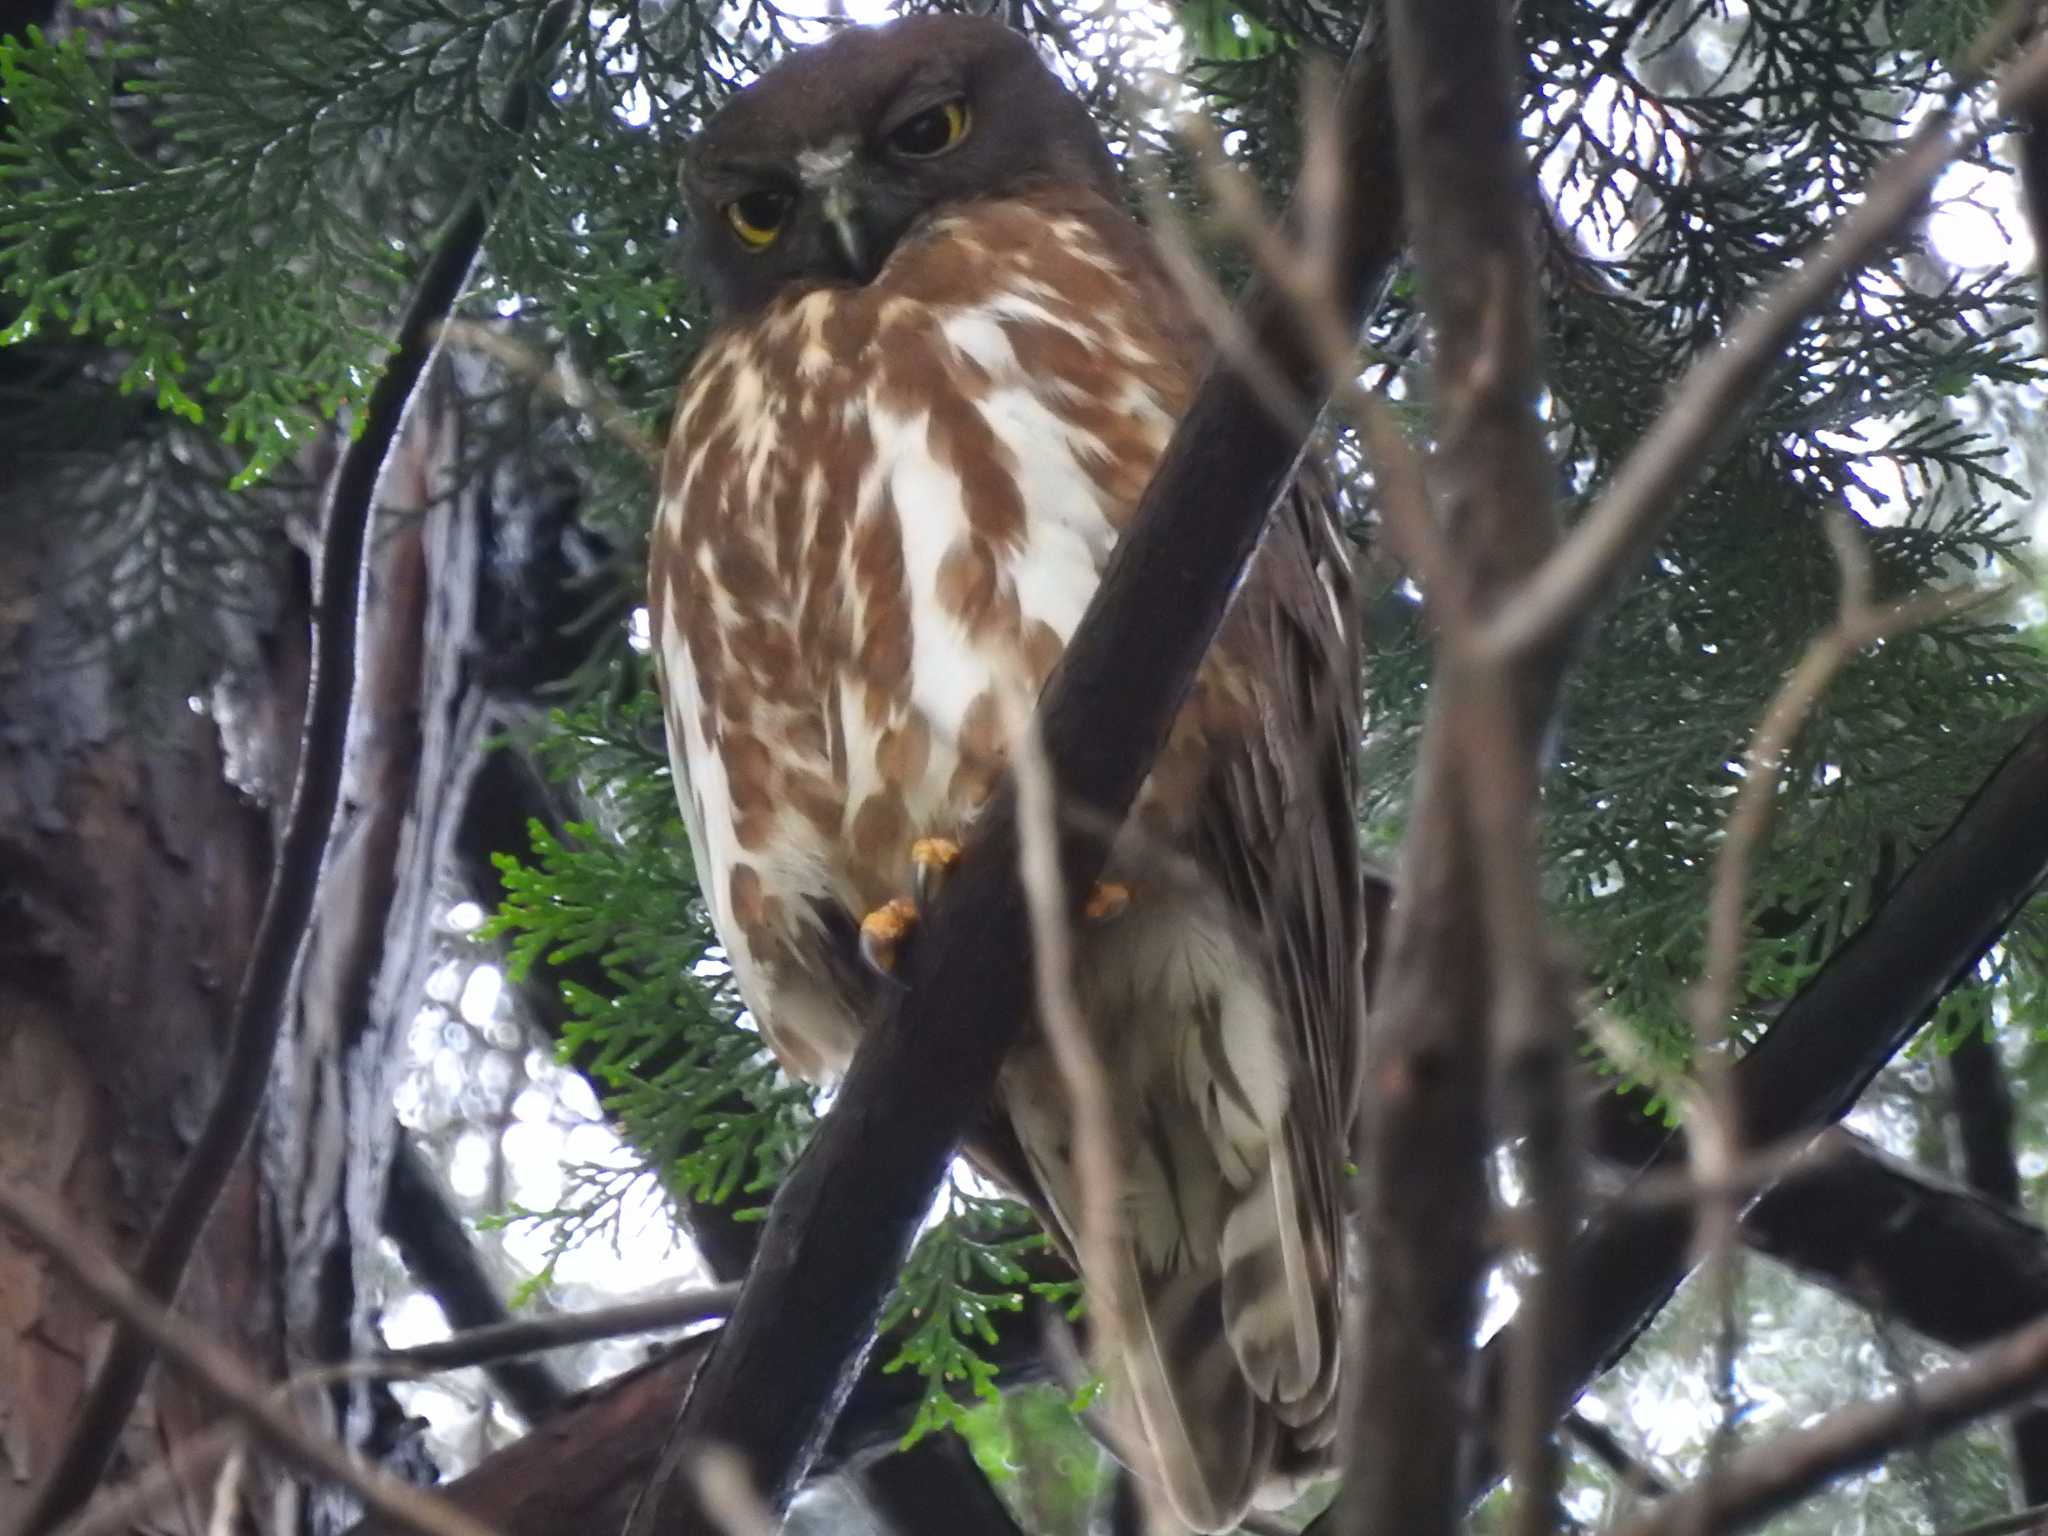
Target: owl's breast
883 507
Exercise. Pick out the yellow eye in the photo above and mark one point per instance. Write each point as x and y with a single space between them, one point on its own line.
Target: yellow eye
932 132
757 217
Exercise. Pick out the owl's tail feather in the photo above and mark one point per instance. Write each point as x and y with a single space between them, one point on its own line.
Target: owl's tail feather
1278 1311
1231 1357
1212 1439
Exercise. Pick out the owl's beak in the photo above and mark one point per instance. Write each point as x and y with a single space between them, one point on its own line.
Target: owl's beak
832 171
842 212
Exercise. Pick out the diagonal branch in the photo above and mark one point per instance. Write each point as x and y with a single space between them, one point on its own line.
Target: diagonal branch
225 1379
1905 1243
437 1251
1980 1273
1757 1483
1820 1053
842 1223
1982 1109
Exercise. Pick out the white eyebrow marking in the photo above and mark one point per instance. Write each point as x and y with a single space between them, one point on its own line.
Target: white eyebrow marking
824 163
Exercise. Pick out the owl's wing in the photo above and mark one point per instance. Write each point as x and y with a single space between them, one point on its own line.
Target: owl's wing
1277 830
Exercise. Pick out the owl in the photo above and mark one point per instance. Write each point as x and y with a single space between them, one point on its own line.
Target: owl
946 364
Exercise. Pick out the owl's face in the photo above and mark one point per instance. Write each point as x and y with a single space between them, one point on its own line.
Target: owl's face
812 174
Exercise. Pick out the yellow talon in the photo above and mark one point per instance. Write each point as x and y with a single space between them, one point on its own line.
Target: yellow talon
883 931
931 860
1107 901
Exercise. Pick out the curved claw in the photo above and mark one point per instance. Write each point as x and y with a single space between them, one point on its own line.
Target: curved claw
883 933
931 860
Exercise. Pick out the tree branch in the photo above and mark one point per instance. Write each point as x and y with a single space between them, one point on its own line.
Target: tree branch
259 1004
1937 1258
406 1508
1982 1104
513 1338
841 1225
583 1470
1468 864
1912 1247
1983 1111
1759 1482
935 1489
438 1253
1814 1062
1605 1447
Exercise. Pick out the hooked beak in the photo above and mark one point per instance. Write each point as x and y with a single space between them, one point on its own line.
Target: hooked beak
842 212
832 171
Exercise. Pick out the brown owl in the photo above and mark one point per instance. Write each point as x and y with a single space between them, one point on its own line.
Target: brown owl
947 364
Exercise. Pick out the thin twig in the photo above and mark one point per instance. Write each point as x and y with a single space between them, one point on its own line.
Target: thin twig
280 932
1757 1483
1714 1120
1749 821
1606 1448
227 1490
528 1336
1098 1235
224 1378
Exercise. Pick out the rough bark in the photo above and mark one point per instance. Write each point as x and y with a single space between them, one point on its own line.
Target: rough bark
131 875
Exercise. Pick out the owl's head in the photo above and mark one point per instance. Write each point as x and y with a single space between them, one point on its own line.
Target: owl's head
812 174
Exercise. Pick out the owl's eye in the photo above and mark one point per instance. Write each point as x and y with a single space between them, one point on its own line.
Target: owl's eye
932 132
757 217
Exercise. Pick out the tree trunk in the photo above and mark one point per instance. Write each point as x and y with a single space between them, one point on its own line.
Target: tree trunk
131 875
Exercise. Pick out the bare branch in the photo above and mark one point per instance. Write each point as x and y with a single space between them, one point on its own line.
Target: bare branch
222 1377
1773 1476
438 1252
528 1336
227 1490
1468 863
1097 1157
1607 1449
1713 1115
1821 1052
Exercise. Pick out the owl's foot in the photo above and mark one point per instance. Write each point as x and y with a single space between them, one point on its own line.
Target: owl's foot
1106 902
885 933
